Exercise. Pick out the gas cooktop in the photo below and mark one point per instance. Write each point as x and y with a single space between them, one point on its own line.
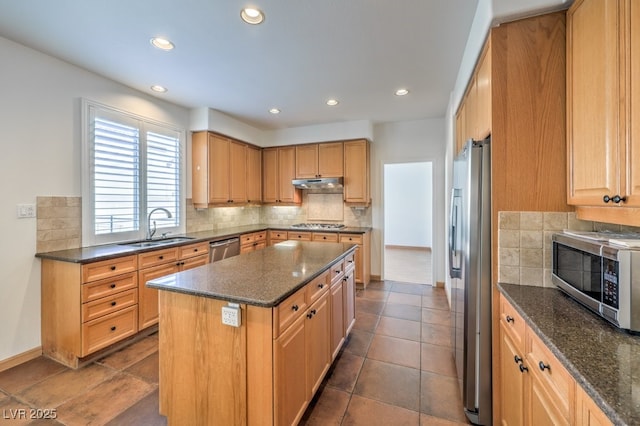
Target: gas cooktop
318 225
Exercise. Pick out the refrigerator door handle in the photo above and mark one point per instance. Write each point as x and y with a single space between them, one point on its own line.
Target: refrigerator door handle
454 272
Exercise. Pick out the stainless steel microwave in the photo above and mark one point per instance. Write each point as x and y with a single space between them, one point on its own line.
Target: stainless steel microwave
602 276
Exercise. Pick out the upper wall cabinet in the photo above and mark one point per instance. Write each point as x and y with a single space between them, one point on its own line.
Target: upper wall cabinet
319 160
356 172
220 170
603 97
254 174
278 170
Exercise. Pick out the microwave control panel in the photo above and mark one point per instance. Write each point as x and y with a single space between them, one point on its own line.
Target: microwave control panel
610 282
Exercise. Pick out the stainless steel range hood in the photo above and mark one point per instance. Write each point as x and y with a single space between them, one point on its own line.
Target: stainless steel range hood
318 183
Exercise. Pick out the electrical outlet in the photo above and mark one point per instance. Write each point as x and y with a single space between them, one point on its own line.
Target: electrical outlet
26 210
231 315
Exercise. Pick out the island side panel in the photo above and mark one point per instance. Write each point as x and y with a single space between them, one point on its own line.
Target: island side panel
260 366
203 373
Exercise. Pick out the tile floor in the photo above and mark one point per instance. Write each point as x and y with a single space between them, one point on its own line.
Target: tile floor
396 368
408 264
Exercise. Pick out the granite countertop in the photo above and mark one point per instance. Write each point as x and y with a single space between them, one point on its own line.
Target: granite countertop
603 359
263 278
111 251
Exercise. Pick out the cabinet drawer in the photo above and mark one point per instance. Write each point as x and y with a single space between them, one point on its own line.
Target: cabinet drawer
194 262
289 310
157 257
353 239
302 236
327 237
514 324
193 250
109 268
337 270
278 235
97 289
247 238
102 332
553 376
318 286
107 305
350 261
260 236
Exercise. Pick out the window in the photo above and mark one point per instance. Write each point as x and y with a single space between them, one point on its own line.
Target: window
132 166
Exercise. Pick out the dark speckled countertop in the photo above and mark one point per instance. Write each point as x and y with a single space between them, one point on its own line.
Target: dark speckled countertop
604 360
111 251
263 278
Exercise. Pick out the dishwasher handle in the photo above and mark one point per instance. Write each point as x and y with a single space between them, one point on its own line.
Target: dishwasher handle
222 243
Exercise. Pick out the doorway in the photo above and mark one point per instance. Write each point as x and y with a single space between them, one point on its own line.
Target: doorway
408 224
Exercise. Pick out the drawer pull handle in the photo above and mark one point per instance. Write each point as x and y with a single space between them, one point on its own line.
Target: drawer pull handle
195 249
113 303
510 318
113 268
320 285
311 313
324 238
113 328
113 285
523 368
517 359
295 308
542 366
350 261
160 257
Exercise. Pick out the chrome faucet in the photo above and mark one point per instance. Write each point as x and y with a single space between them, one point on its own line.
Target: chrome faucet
151 232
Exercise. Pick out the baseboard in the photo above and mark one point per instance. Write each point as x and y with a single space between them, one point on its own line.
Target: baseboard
391 246
20 358
375 277
439 284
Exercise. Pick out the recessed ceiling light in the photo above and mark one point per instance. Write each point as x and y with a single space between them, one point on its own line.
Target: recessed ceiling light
162 43
402 92
274 111
159 89
252 15
332 102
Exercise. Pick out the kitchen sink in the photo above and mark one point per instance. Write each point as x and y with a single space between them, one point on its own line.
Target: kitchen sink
154 243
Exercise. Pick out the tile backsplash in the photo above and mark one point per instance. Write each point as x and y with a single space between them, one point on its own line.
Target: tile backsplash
59 223
524 243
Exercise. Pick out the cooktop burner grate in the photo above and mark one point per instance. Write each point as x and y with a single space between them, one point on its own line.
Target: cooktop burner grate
318 225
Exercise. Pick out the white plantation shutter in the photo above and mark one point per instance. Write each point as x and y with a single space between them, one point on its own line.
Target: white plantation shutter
132 165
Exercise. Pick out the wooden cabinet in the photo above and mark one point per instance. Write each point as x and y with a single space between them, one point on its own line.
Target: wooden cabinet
336 303
299 235
159 263
319 160
277 237
253 241
603 91
254 174
224 171
349 297
362 256
278 170
356 172
324 237
87 307
536 388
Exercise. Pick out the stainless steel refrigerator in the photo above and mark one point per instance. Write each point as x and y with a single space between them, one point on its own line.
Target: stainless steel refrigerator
470 271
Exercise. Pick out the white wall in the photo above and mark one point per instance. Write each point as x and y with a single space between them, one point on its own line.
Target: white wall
40 122
406 142
407 204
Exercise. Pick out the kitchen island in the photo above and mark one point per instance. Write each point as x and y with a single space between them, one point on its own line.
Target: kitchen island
296 306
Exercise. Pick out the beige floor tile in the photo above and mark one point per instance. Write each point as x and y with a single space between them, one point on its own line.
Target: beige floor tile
436 316
147 369
344 372
327 407
408 265
403 287
365 411
405 299
358 342
27 374
65 386
369 306
389 383
380 285
435 302
436 334
437 359
407 312
426 420
440 397
366 322
105 401
14 412
395 351
371 294
396 327
143 413
132 354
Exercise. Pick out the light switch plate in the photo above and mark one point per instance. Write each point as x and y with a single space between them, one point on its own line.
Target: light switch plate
26 210
231 315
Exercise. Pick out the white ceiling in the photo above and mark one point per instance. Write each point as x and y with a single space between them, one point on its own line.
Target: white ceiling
357 51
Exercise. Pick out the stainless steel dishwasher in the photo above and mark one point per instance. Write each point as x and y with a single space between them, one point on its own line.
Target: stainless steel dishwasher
219 250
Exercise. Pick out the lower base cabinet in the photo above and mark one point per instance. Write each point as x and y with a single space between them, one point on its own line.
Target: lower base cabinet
536 390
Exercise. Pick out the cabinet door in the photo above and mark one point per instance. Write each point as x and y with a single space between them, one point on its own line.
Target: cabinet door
286 173
148 297
218 169
331 159
541 408
349 301
237 168
318 337
306 161
356 171
587 412
200 169
254 174
471 110
483 93
270 175
337 318
511 382
460 128
633 155
290 385
593 88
